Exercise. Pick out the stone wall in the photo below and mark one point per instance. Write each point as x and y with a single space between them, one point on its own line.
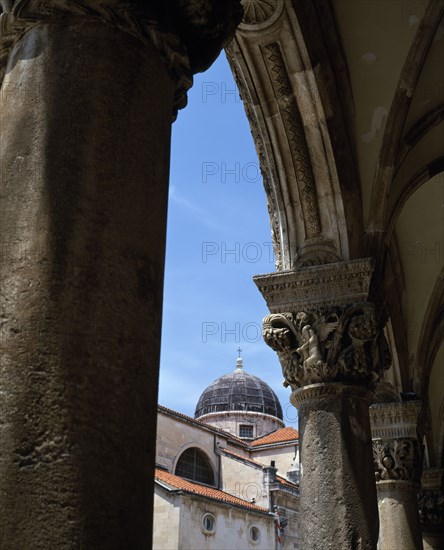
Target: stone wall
244 480
174 436
230 421
231 530
283 457
166 520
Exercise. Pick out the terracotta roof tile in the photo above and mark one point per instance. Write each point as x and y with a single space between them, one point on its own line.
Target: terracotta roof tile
238 455
279 436
177 482
287 482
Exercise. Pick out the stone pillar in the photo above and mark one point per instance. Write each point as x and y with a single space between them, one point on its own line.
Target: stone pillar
431 508
326 331
397 459
89 91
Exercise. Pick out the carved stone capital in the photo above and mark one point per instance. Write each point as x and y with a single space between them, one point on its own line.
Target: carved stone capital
322 286
396 420
431 500
396 434
187 34
324 326
259 14
331 345
397 459
329 391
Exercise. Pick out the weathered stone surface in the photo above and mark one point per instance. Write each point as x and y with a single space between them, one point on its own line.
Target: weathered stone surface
397 456
324 326
85 155
187 35
88 94
399 525
338 495
328 333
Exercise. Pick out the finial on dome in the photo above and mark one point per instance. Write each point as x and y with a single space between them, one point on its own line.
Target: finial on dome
239 363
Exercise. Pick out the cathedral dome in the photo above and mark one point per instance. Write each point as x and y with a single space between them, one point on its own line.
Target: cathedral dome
239 391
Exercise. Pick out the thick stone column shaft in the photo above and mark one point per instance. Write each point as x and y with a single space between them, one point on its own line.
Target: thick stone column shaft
399 525
85 155
329 339
337 487
89 91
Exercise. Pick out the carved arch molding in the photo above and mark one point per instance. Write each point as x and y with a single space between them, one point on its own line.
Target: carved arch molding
290 107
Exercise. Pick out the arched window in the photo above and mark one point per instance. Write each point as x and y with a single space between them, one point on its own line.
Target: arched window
194 465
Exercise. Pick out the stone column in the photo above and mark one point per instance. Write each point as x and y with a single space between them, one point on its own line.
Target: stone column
325 329
431 508
397 459
89 91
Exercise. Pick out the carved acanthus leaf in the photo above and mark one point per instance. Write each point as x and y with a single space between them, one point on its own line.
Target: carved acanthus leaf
338 345
397 459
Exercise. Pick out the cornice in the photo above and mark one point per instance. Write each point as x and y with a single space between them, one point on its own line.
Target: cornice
332 390
336 284
395 420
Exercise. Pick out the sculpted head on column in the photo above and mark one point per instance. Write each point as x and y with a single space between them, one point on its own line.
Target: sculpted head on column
333 345
398 459
330 330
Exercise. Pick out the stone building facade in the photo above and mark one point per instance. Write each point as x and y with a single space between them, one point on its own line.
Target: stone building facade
345 103
246 487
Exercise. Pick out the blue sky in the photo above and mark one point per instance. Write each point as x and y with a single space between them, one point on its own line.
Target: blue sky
218 238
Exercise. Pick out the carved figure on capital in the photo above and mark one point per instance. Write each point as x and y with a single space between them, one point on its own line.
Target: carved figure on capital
398 459
338 345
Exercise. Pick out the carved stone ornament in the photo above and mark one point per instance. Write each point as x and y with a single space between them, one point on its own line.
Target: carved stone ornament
397 420
337 345
320 287
397 459
259 14
431 500
188 35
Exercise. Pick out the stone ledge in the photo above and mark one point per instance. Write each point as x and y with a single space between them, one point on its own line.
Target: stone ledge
335 284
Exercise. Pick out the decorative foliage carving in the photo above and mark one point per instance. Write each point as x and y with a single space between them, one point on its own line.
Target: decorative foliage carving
339 345
276 220
317 288
397 459
258 11
294 128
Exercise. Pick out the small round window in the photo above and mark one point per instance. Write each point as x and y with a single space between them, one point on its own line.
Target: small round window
208 523
255 534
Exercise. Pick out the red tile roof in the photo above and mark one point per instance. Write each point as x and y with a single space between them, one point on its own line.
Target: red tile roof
287 482
279 436
238 455
177 482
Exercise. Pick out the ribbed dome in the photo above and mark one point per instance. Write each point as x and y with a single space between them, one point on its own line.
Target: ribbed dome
238 391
